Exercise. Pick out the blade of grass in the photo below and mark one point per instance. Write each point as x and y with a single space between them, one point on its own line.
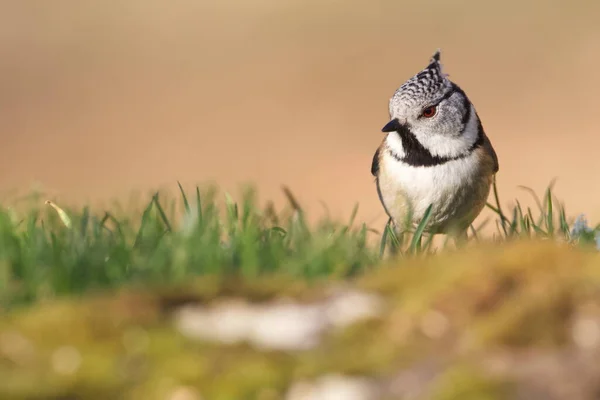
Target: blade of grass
232 213
145 219
503 218
549 212
161 213
353 215
563 223
474 231
537 200
482 225
199 206
513 228
85 218
186 204
384 238
389 234
292 200
112 218
428 243
103 220
64 217
415 244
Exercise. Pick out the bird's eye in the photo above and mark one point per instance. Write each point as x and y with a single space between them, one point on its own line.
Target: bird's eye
429 112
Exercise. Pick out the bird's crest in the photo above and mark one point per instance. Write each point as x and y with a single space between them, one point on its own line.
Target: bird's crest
436 64
428 83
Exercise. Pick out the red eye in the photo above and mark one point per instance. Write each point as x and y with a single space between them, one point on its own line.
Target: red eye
429 112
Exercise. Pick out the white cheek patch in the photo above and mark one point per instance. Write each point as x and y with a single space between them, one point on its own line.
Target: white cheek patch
394 143
450 146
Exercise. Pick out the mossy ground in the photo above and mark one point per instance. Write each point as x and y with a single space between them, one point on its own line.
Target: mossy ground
463 319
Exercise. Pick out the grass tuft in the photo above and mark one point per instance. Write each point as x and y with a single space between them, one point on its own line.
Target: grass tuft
54 251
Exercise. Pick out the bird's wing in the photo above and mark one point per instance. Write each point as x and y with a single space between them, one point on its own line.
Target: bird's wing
375 163
488 147
375 173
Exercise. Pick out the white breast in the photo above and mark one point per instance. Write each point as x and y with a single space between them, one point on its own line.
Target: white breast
450 187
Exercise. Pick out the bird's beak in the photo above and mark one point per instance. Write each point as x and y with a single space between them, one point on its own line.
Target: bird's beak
392 126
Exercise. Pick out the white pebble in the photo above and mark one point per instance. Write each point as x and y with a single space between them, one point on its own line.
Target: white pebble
281 325
228 322
288 327
352 306
334 387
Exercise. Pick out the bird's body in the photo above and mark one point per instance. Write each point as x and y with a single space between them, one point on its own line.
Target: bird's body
440 158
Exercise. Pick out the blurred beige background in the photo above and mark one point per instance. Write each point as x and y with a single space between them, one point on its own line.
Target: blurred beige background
98 98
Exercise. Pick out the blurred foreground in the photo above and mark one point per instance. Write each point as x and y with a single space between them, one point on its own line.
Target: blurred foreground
515 321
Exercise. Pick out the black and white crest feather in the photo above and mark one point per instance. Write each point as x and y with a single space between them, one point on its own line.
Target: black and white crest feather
425 85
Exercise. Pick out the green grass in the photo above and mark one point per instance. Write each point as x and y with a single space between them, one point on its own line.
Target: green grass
53 250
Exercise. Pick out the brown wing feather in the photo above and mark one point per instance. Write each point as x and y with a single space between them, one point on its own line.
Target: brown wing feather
487 145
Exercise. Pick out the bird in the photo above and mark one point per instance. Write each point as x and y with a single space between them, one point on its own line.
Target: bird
435 157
